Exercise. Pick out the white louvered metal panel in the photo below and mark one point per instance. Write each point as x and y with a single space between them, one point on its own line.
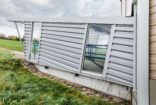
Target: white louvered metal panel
28 27
61 45
119 63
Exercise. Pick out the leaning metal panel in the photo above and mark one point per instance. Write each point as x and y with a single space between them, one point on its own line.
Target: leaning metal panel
119 63
61 45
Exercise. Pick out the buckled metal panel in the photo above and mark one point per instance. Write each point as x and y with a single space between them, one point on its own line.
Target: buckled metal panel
28 26
61 45
119 63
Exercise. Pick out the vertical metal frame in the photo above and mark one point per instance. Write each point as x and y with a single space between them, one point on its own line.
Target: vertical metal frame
18 31
135 49
143 52
108 51
39 44
31 40
84 46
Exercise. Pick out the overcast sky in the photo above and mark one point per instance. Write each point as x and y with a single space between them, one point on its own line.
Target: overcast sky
54 8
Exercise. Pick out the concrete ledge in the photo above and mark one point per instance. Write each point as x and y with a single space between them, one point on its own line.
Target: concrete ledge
90 82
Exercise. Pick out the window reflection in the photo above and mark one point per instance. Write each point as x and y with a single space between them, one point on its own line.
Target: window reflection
96 46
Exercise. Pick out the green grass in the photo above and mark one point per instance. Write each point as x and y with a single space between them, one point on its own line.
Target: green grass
10 44
18 86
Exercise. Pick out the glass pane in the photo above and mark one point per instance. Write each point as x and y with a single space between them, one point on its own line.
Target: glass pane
96 46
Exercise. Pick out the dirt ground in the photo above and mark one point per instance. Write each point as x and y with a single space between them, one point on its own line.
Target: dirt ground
17 54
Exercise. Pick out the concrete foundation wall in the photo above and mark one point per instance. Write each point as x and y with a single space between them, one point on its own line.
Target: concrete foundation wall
97 84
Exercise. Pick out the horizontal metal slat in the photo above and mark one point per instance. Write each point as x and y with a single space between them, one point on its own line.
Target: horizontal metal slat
61 51
62 42
27 34
27 21
121 68
74 35
123 41
28 24
124 25
124 35
27 38
122 55
68 30
59 46
47 63
27 42
27 27
63 25
68 39
127 29
123 48
121 61
66 57
118 80
28 31
60 60
57 63
120 75
26 53
26 45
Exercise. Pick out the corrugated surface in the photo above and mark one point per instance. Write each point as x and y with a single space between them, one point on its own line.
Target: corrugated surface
61 45
28 26
153 39
120 57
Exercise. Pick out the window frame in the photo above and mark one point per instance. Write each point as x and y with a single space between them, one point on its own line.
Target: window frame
89 72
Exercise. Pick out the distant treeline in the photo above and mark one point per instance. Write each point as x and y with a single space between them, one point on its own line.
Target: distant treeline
13 37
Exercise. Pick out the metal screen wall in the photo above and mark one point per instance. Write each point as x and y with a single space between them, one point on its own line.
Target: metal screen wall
62 46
